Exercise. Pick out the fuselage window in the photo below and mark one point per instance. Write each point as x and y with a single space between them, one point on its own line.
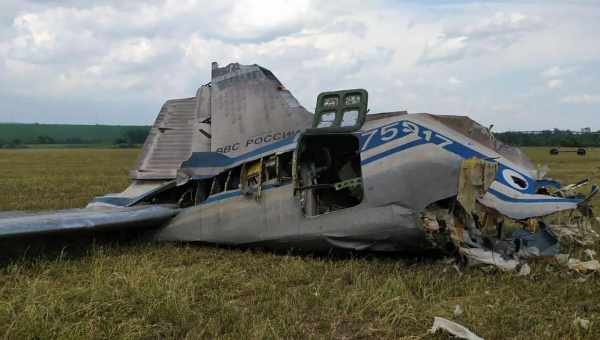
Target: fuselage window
218 184
270 170
285 166
251 176
233 181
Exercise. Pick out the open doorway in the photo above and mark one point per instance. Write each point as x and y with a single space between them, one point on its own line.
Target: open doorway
328 173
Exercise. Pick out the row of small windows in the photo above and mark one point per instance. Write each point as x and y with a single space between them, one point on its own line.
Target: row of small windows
250 177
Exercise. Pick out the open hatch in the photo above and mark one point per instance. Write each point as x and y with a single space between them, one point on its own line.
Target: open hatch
327 170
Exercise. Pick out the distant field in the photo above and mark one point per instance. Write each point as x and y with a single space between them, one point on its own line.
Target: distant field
64 133
145 290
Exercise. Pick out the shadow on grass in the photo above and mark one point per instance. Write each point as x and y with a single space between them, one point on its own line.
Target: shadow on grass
77 245
65 246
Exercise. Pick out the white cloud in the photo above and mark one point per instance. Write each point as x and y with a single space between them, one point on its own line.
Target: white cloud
129 56
554 83
250 19
444 48
454 81
502 24
557 71
486 35
582 99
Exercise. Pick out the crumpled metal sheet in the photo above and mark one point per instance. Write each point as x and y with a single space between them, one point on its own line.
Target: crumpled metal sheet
453 328
483 256
583 266
475 178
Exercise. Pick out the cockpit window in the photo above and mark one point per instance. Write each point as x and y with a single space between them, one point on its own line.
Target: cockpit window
327 119
349 118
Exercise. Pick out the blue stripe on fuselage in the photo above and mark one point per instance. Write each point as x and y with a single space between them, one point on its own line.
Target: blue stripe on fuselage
507 198
378 136
217 159
400 129
404 128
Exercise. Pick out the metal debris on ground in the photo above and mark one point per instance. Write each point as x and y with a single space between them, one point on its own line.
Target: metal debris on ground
453 328
486 231
583 266
482 256
525 270
458 311
581 323
590 253
562 258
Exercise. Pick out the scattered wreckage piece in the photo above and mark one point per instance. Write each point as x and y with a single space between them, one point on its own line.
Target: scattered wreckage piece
583 266
489 231
453 328
582 323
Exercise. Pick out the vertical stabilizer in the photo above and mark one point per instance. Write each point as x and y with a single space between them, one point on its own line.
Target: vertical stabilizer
251 109
169 142
245 107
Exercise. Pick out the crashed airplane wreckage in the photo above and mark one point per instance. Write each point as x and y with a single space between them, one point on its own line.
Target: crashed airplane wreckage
243 163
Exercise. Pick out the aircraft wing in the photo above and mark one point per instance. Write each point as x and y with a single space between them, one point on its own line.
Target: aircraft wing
23 224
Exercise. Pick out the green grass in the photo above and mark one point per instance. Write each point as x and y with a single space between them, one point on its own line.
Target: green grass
144 290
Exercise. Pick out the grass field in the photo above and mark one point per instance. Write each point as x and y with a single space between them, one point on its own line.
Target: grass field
141 290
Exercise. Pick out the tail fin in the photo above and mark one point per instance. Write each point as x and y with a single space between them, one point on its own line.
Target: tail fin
243 108
169 141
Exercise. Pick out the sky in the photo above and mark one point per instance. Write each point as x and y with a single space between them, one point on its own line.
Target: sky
520 65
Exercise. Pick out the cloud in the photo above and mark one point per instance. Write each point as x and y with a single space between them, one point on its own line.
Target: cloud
486 35
454 81
554 83
557 71
443 48
71 60
250 20
582 99
502 24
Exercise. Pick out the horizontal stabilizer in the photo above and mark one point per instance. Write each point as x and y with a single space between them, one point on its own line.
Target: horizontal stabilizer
23 224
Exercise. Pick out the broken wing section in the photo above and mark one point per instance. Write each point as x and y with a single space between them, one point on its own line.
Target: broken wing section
14 224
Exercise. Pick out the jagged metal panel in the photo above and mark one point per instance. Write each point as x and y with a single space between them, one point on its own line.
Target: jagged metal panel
202 129
483 135
169 142
250 108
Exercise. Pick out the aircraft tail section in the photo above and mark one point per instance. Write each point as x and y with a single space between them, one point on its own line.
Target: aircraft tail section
250 109
169 142
243 108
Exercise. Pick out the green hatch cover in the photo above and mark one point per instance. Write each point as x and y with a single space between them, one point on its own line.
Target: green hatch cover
344 110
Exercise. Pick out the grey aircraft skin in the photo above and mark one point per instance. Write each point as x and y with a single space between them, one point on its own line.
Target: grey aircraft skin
243 163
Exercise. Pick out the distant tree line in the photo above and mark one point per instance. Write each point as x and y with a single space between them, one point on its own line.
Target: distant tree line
136 136
13 144
554 137
132 137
